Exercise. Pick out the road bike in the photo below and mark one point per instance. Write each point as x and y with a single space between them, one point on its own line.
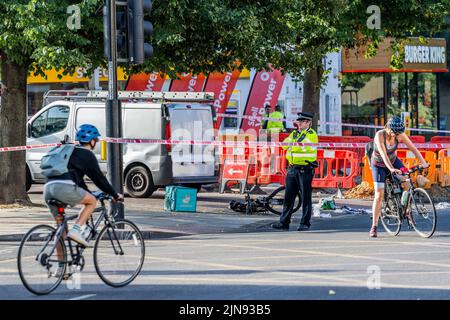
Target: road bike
272 203
119 250
418 210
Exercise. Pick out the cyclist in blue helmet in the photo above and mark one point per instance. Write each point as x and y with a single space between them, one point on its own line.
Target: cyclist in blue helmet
70 188
384 161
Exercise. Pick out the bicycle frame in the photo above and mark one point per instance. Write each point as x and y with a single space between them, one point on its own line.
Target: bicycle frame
62 227
410 190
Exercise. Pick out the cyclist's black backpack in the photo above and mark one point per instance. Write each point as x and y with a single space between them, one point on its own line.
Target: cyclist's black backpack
369 150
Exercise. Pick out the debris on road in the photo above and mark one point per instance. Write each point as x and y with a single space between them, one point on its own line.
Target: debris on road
327 204
350 210
443 206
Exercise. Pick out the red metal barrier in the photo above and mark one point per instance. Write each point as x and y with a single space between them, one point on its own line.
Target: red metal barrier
439 139
417 139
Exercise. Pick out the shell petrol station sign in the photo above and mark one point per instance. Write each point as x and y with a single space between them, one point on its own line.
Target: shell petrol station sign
78 76
427 56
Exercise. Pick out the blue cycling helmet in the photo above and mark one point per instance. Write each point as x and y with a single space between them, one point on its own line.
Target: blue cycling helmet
396 125
86 133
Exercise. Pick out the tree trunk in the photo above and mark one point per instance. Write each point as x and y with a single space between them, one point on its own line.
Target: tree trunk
13 118
311 93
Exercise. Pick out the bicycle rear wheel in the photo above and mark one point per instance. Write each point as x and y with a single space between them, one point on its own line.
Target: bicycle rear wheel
275 201
390 217
423 213
38 263
119 253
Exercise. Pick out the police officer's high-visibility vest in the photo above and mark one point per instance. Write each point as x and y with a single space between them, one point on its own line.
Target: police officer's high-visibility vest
298 155
275 126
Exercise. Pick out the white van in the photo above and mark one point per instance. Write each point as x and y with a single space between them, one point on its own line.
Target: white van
146 115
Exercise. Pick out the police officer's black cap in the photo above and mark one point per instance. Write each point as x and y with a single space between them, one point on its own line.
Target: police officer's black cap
304 116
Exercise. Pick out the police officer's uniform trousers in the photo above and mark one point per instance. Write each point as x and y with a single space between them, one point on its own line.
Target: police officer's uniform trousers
298 178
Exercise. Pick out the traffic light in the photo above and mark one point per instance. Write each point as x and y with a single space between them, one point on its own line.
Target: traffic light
132 30
138 30
121 34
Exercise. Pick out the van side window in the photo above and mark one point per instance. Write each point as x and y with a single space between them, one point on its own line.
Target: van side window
51 121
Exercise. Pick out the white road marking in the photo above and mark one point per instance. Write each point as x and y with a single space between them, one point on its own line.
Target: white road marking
84 297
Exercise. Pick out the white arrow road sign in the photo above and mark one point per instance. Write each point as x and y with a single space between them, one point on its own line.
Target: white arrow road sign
231 171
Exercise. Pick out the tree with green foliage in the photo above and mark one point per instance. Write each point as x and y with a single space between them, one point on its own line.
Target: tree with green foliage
34 37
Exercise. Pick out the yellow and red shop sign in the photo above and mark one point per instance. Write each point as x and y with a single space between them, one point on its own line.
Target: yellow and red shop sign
430 56
78 76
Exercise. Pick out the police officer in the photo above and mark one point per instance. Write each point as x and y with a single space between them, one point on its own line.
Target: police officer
276 126
302 161
267 110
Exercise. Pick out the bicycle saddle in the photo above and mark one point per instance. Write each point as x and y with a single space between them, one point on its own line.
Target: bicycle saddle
57 203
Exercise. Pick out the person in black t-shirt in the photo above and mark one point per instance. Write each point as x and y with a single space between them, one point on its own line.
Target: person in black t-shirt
70 187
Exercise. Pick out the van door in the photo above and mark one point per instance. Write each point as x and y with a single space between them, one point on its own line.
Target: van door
49 126
192 122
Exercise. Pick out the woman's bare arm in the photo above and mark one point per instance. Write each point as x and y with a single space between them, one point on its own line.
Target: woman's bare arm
405 139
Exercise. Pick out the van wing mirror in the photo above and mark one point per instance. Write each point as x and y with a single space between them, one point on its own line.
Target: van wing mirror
28 130
65 139
213 110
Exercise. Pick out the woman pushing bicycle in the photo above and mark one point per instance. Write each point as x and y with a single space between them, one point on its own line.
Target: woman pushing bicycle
384 161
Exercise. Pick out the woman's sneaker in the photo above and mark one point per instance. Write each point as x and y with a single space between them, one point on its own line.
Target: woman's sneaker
373 232
76 234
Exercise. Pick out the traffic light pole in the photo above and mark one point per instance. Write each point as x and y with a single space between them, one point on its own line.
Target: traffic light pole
113 109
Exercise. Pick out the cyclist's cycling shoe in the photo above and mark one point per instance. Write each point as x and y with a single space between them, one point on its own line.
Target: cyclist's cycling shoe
373 232
76 234
280 226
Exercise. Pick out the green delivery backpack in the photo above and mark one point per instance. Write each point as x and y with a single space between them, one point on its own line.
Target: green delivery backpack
180 198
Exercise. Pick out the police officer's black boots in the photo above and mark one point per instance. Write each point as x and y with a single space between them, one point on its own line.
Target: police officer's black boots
303 227
280 226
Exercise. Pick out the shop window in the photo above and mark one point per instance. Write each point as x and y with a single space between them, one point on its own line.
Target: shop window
427 102
362 102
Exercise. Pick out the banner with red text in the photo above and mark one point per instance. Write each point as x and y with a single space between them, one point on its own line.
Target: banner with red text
188 83
265 90
222 84
145 82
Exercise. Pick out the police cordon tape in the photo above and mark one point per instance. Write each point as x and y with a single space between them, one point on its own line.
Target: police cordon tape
21 148
260 118
232 144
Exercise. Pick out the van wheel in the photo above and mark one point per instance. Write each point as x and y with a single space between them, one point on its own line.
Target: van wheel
139 182
28 179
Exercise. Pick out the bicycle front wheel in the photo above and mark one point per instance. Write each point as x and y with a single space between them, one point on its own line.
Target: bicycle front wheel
423 213
119 253
39 258
275 201
390 217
